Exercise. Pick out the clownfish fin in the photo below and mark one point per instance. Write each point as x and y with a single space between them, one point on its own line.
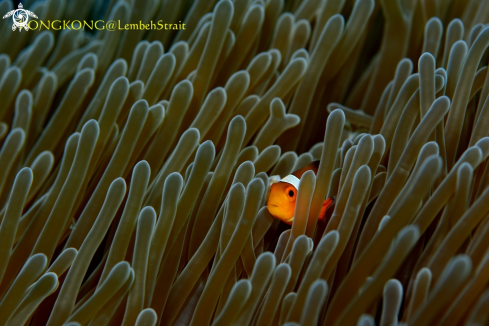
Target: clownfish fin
326 204
314 166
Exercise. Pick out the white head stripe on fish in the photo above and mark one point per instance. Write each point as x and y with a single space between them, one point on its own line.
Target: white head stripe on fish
291 179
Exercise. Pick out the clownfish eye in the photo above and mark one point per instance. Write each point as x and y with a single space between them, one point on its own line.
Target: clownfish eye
290 193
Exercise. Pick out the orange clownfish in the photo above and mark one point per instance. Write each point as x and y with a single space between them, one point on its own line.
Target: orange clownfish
283 195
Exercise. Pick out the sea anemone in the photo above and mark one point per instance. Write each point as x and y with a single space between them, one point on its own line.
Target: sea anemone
136 163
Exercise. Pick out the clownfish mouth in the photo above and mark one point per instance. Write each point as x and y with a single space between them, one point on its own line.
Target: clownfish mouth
274 209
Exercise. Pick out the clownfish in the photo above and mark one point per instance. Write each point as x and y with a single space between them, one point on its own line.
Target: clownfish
283 195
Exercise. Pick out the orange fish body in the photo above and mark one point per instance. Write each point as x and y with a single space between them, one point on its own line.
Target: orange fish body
283 195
